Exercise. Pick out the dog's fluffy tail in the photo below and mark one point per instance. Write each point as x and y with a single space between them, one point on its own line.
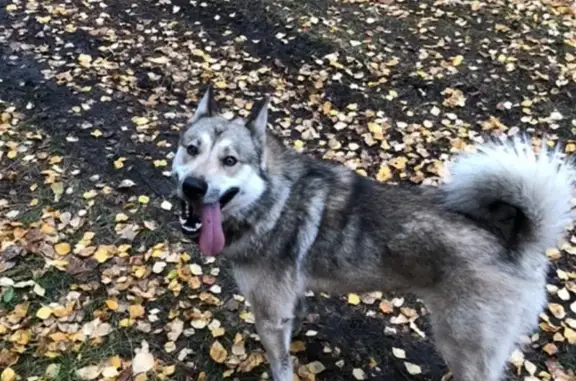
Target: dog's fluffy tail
523 195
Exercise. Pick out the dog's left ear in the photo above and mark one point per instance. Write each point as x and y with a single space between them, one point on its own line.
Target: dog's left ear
258 119
206 106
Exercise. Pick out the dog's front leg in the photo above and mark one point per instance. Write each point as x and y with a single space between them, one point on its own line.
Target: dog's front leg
274 326
300 312
273 299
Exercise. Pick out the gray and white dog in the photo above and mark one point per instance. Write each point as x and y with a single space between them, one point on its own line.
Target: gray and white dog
473 249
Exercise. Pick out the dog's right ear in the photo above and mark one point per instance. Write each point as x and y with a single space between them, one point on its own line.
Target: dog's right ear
206 106
258 119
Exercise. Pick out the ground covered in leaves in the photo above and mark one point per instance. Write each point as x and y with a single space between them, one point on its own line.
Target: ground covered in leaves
95 279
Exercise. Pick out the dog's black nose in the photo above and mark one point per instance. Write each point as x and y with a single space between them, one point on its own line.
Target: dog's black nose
194 188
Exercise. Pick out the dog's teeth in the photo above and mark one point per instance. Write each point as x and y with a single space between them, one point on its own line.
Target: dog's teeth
188 228
198 225
182 221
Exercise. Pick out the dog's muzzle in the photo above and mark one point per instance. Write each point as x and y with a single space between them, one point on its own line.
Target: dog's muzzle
191 206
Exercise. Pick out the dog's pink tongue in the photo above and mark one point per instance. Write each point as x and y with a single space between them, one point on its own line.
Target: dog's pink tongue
211 235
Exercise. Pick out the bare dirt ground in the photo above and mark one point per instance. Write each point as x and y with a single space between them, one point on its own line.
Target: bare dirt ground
96 281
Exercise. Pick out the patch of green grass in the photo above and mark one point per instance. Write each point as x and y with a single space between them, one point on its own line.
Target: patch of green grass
31 215
55 282
119 342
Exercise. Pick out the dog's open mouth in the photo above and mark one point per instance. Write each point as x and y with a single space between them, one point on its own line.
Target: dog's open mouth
189 220
204 222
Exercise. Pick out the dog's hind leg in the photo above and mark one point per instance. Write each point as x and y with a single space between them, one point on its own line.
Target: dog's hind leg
475 338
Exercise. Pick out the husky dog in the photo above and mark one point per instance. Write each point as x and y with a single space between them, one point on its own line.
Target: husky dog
473 249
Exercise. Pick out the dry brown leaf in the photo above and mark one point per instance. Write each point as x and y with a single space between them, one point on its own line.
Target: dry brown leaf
297 346
386 307
550 348
253 361
557 310
218 353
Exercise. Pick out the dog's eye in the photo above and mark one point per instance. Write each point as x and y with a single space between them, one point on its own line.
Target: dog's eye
230 161
192 150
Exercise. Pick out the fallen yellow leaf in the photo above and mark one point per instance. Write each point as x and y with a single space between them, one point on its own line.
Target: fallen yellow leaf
140 121
570 335
353 299
102 254
112 304
121 217
119 163
44 313
384 173
376 131
8 374
456 61
58 189
90 194
136 311
62 248
84 60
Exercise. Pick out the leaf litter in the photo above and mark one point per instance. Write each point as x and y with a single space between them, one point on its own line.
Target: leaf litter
92 269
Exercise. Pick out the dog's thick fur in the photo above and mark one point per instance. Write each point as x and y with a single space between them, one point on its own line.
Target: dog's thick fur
473 249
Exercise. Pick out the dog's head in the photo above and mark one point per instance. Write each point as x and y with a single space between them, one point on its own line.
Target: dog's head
219 168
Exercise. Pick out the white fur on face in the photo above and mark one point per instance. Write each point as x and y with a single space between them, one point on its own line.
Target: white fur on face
183 166
207 165
251 186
